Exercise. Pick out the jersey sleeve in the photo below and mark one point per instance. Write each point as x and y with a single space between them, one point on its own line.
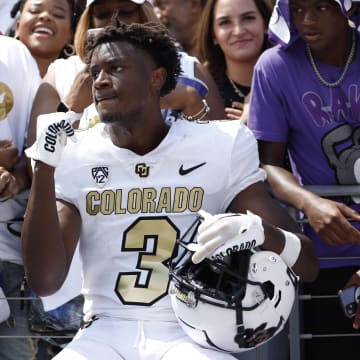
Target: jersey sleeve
65 178
63 187
244 164
267 114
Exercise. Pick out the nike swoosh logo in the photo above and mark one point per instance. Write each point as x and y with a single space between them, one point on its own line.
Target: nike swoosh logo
183 171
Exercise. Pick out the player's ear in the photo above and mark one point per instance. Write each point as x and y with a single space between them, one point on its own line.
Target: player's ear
17 25
158 78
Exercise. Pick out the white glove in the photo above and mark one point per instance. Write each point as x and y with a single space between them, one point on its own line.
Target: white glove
52 133
222 234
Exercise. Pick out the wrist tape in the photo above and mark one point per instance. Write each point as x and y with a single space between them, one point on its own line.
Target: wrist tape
292 247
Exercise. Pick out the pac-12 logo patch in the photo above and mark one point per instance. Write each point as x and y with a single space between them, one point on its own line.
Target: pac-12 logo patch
100 175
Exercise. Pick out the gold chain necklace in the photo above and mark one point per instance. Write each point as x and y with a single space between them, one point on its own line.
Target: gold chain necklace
236 89
346 67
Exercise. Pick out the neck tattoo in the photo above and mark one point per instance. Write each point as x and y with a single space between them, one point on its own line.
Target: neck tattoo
346 67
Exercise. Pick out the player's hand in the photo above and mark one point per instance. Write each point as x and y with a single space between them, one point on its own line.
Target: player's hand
329 219
222 234
53 131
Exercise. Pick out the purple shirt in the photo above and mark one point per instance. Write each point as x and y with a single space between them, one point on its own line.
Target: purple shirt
320 124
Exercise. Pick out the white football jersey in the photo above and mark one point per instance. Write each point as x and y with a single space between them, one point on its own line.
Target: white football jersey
134 208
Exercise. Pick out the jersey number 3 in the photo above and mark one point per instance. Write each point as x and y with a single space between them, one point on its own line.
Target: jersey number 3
153 263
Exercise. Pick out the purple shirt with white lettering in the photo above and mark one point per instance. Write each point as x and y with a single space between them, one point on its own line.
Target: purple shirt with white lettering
320 124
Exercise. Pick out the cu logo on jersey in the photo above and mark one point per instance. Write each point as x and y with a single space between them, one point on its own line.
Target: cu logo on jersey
142 170
100 175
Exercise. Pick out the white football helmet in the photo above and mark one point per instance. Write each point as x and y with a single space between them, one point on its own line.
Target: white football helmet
233 305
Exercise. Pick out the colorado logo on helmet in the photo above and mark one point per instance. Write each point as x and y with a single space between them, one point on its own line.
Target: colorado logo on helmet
243 246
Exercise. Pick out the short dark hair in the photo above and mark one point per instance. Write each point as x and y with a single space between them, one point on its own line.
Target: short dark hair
151 37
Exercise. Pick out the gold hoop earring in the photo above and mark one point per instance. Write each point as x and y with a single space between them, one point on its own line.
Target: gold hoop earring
69 50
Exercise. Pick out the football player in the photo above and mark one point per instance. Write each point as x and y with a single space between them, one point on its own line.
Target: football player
130 187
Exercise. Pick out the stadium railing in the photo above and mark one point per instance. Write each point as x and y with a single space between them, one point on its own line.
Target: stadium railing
296 336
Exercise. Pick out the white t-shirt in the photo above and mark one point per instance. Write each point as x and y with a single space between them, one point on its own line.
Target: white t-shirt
19 81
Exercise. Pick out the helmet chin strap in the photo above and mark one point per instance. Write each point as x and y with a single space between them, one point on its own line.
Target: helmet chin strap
242 263
240 337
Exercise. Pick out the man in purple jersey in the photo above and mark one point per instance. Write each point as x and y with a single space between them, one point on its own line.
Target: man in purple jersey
306 101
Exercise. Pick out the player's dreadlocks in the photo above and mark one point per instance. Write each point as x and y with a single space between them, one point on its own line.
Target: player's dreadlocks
150 37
